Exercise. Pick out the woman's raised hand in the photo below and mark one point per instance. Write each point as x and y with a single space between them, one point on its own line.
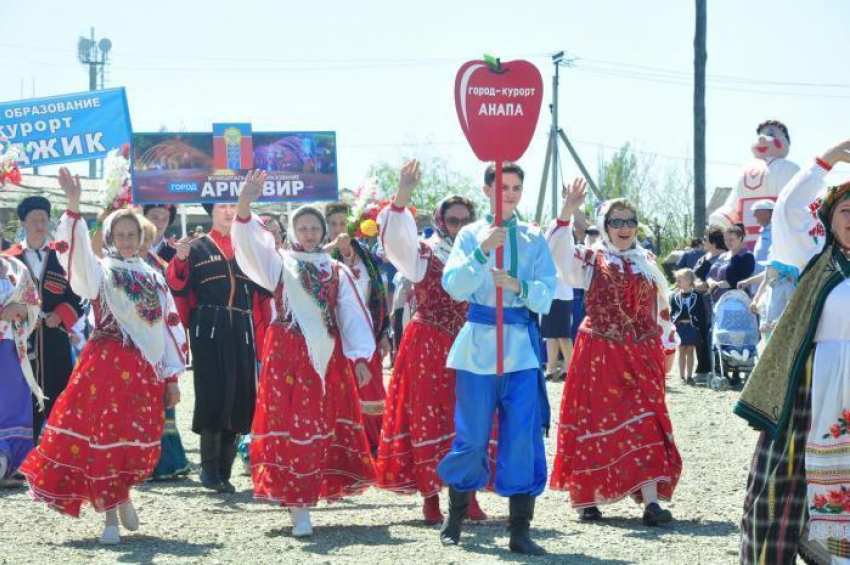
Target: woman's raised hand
573 198
408 179
70 185
839 153
253 187
251 191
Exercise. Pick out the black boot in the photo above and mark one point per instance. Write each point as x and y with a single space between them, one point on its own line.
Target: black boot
654 515
210 456
590 514
519 522
225 466
458 503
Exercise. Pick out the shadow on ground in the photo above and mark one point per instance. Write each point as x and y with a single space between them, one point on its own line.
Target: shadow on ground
144 549
484 543
688 527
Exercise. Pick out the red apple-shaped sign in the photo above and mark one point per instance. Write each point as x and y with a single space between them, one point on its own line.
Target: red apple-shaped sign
498 108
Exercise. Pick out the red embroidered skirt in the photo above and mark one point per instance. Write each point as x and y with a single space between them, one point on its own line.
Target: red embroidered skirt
614 432
103 435
419 426
307 443
372 398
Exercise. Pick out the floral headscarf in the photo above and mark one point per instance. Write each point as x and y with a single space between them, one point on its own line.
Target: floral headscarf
108 243
443 207
834 196
302 210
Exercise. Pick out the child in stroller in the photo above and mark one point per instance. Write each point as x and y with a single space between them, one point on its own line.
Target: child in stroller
734 340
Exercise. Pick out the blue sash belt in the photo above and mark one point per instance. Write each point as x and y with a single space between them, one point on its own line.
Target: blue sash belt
485 315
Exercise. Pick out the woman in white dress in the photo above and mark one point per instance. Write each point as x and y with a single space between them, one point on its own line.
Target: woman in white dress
798 492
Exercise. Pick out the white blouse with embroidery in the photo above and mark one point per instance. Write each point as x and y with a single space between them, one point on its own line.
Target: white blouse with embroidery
797 237
576 267
86 276
265 265
401 243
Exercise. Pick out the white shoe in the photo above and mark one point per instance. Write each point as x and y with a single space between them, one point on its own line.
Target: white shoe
301 527
127 515
110 536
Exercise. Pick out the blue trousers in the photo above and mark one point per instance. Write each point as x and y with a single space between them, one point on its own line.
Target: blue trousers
521 457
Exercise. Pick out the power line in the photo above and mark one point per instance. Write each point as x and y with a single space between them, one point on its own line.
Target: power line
541 136
418 60
746 80
338 67
602 71
683 82
354 63
650 153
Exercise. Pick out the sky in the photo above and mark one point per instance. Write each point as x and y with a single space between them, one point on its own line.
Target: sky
381 73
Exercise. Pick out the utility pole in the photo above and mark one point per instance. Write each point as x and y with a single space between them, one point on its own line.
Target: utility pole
552 156
557 59
94 54
700 57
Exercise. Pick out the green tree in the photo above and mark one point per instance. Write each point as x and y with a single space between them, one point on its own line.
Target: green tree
669 208
438 181
664 201
618 176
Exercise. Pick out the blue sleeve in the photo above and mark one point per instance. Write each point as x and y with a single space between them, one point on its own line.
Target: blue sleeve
740 268
388 268
466 268
537 292
702 268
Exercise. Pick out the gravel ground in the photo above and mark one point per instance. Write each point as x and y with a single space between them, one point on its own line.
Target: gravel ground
181 523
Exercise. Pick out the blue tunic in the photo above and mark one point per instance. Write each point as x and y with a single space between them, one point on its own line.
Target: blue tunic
467 277
519 396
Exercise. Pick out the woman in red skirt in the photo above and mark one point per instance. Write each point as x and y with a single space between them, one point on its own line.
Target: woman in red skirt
103 435
307 439
615 438
418 427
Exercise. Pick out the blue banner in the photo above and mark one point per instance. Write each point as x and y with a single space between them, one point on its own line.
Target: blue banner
184 168
72 127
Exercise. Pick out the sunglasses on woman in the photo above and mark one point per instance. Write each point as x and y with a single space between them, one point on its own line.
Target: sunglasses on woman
458 222
618 223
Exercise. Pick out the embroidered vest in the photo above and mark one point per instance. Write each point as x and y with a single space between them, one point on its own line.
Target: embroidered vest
620 304
434 306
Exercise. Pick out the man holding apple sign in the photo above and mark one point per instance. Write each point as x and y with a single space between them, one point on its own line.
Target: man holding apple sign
503 268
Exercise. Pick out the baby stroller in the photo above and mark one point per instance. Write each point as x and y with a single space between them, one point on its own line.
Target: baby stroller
734 340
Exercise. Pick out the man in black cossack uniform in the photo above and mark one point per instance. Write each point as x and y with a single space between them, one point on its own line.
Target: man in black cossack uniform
216 300
49 346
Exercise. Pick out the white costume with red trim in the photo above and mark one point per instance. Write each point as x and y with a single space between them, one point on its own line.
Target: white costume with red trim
762 178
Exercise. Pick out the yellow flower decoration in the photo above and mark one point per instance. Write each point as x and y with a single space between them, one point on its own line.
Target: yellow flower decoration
369 228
